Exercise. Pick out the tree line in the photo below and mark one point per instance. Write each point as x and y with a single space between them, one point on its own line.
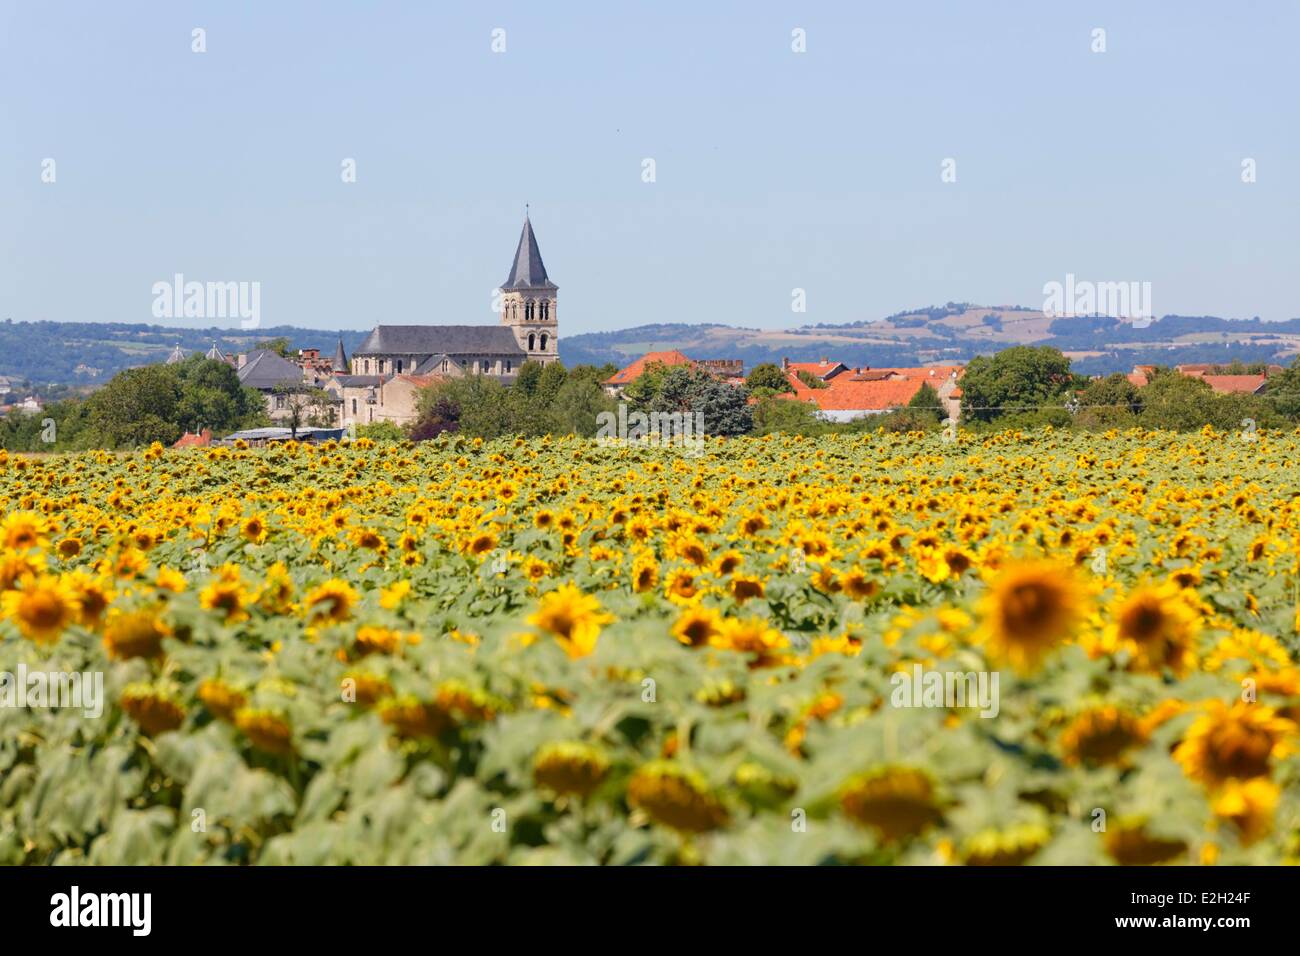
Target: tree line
1020 387
139 406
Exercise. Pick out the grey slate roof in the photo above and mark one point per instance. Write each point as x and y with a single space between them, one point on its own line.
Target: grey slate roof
177 355
215 353
357 381
266 370
527 271
439 339
340 363
284 434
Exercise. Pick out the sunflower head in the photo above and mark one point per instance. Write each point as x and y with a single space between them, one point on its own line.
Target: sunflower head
134 634
1234 743
1101 735
696 626
572 617
570 768
21 530
155 710
675 797
1011 846
896 802
41 608
1031 609
1158 629
331 601
1248 805
267 730
412 718
221 698
1129 842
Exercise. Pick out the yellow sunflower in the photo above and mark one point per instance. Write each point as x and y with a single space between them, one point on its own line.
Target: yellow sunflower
896 802
572 617
331 601
133 634
1234 743
41 608
570 767
697 626
1158 629
675 797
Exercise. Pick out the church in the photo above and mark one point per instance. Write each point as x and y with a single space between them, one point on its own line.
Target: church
527 332
395 361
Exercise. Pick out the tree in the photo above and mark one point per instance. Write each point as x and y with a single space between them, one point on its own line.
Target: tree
440 415
687 390
280 346
1110 402
304 407
1175 401
211 396
530 398
769 376
1283 391
137 407
809 379
576 405
482 405
640 392
381 432
906 419
774 413
527 377
1021 378
926 405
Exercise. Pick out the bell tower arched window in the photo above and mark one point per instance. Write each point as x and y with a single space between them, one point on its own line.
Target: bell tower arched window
532 341
546 309
543 341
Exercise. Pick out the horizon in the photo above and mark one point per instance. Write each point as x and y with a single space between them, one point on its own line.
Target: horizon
775 170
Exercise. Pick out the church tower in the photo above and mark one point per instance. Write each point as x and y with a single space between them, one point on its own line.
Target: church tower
528 301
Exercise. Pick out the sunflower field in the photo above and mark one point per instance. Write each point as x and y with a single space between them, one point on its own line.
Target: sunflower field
551 651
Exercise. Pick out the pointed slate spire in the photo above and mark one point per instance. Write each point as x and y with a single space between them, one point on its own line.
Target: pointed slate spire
215 353
178 355
340 363
527 271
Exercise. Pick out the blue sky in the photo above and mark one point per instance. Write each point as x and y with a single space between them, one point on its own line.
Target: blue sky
774 170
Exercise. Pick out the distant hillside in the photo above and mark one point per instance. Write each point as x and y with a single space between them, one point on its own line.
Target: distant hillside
957 332
89 353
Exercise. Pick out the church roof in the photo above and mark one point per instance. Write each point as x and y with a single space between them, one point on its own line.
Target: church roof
215 353
178 355
439 340
340 363
527 271
265 370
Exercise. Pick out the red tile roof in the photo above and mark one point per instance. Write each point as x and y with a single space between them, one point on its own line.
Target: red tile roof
421 381
633 371
820 369
867 396
202 440
1235 384
873 389
1141 374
